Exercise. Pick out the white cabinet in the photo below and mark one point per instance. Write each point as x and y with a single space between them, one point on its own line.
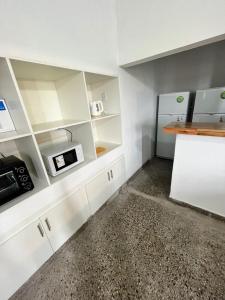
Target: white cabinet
105 184
27 250
117 173
98 190
21 256
62 221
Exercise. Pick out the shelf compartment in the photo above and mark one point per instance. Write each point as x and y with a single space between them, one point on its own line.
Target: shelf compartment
80 133
109 147
52 96
104 88
8 92
104 116
25 149
38 187
107 133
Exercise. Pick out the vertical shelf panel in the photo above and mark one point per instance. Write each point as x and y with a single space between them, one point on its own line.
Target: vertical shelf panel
9 93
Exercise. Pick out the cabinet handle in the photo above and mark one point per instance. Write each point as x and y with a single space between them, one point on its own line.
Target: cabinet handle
40 230
108 176
48 224
111 172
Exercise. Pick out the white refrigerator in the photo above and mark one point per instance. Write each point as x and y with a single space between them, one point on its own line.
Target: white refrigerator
209 105
172 107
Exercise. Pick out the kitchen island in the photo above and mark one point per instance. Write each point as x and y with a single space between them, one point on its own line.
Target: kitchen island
198 176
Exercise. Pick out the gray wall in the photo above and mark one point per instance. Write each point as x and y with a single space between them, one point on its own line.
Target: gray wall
200 68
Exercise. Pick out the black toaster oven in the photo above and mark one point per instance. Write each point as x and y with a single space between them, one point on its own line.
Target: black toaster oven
14 178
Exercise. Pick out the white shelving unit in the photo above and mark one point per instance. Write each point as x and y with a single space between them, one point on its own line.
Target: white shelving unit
42 101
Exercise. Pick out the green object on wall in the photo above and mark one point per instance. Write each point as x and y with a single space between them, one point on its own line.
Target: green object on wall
180 99
222 95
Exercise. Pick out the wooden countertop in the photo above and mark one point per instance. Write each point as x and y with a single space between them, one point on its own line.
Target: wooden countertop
196 128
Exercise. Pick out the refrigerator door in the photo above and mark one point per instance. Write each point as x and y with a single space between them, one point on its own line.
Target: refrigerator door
166 142
208 118
174 103
210 101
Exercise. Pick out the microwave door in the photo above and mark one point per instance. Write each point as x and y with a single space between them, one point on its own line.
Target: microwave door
64 160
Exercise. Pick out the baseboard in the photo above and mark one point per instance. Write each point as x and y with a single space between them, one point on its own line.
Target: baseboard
198 209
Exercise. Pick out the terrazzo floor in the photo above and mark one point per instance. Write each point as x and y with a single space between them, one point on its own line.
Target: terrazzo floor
138 247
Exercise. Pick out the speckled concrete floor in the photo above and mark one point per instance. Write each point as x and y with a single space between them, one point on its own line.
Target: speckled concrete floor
154 179
138 247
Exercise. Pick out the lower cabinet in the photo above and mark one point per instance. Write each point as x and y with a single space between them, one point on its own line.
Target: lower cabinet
23 253
107 182
63 220
117 172
26 251
21 256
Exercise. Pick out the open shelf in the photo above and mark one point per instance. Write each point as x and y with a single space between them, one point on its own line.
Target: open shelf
109 147
104 116
12 135
81 134
38 186
104 88
61 176
107 133
8 92
25 149
53 97
45 127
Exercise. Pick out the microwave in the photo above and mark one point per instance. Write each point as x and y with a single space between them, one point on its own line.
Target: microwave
62 157
6 123
14 178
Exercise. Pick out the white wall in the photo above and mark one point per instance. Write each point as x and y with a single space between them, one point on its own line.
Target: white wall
138 104
76 33
152 28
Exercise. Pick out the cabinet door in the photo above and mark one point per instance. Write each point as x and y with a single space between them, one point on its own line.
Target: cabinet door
117 174
21 256
62 221
98 190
